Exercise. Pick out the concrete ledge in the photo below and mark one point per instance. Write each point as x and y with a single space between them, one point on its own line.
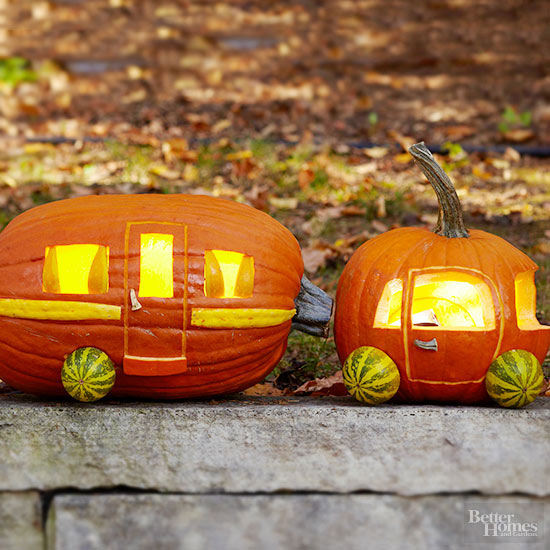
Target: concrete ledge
262 445
290 522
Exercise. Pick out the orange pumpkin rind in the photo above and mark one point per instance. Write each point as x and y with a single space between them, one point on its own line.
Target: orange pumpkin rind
440 357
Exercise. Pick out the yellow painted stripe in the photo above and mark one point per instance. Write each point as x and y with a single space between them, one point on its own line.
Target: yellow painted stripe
57 310
239 318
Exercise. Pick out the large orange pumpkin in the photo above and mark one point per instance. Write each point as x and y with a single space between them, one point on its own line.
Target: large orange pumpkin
443 305
187 295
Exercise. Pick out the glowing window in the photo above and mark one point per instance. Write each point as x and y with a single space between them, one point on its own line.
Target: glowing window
388 312
228 274
526 301
452 300
76 269
156 266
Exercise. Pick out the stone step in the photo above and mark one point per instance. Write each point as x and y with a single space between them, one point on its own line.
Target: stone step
289 522
21 520
247 445
119 521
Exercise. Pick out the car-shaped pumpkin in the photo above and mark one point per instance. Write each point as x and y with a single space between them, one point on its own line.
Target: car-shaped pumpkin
448 315
176 295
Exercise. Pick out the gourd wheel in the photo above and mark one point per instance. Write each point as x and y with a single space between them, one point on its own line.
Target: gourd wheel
514 379
370 375
88 374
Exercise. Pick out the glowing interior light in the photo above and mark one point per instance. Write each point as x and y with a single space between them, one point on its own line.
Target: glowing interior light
452 299
388 312
156 266
228 274
76 269
526 301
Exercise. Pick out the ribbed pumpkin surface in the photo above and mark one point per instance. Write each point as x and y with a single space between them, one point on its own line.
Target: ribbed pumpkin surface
218 360
390 256
514 379
370 375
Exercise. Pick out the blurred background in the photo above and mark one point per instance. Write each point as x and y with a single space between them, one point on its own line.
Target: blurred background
303 109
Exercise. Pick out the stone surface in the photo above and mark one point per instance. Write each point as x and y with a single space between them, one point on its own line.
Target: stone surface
21 521
262 445
289 522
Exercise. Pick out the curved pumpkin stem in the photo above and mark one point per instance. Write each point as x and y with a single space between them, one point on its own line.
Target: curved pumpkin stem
313 309
450 222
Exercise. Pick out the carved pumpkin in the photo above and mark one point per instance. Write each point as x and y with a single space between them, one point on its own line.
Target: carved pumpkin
443 305
187 295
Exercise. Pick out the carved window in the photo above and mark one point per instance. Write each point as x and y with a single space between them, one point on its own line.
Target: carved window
76 269
228 274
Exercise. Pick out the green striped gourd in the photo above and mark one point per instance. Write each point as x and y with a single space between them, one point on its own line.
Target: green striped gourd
370 375
514 379
88 374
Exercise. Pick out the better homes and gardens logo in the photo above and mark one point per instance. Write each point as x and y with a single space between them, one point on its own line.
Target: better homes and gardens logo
503 525
496 520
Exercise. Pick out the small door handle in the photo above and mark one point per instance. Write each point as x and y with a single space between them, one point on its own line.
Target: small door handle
431 345
134 303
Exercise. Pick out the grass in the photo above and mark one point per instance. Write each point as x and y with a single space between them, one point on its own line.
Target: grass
308 357
15 70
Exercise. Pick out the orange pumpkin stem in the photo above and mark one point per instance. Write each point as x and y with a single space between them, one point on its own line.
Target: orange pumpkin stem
450 222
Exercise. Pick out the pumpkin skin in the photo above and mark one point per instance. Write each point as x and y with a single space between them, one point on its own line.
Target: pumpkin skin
219 360
403 254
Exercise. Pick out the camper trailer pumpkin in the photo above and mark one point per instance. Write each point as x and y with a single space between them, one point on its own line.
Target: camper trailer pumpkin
176 295
448 315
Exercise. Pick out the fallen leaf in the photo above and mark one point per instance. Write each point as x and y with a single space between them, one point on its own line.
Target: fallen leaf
376 152
258 197
243 168
239 155
316 256
135 97
380 204
519 135
352 241
499 163
264 389
333 385
405 141
331 213
37 148
379 227
174 149
220 126
190 173
479 172
458 133
353 211
365 168
165 172
512 155
403 158
542 248
284 203
305 177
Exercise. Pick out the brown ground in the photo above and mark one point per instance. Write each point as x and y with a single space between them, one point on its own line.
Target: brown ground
339 69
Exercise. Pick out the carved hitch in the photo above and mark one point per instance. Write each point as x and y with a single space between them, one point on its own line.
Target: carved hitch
313 309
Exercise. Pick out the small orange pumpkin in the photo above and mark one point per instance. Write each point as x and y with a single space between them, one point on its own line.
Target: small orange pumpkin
187 295
443 305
